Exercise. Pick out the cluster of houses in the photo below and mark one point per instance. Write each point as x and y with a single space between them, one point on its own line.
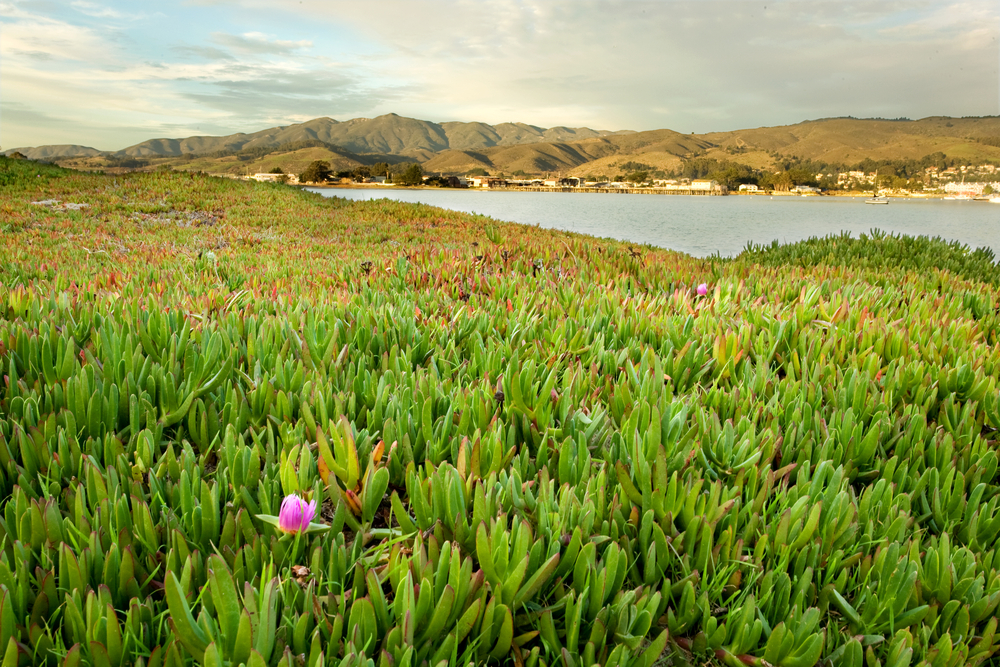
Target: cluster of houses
291 179
952 181
684 185
952 186
495 182
798 189
970 189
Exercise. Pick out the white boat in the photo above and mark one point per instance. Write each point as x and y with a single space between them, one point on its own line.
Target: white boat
961 196
995 200
875 199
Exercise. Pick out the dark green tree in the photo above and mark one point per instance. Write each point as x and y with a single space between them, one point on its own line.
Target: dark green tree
318 171
802 176
413 175
782 181
701 167
380 169
734 175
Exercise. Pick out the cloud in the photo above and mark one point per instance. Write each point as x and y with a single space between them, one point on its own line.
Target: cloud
74 128
272 93
616 64
204 52
710 65
125 89
34 55
256 43
95 10
16 112
57 40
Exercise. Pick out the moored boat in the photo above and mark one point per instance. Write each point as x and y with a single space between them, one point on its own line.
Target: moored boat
875 199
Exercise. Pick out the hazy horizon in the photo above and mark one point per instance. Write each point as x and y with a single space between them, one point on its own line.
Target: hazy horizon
110 75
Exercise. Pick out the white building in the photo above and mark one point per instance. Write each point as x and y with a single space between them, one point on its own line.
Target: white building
968 189
276 178
749 187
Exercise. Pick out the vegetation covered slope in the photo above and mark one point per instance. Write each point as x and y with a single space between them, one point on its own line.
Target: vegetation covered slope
531 447
389 134
852 140
455 147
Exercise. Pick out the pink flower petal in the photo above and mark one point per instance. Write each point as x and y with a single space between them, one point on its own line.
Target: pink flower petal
295 514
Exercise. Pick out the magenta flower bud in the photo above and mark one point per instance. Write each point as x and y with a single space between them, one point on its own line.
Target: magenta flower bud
295 514
702 289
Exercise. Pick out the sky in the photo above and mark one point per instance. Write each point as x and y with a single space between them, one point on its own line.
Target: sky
110 74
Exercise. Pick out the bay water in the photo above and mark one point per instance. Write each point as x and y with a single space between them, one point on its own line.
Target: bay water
703 226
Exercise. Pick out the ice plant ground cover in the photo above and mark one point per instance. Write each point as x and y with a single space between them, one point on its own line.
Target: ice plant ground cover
530 447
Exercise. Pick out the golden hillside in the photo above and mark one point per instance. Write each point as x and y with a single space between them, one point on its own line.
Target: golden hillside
457 147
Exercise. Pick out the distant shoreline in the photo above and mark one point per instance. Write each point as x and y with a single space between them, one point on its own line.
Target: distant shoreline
619 191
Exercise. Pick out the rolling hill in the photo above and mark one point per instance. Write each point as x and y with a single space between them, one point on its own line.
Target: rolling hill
54 151
457 147
850 140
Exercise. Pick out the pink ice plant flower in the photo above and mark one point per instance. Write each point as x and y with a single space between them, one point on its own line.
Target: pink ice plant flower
295 514
702 289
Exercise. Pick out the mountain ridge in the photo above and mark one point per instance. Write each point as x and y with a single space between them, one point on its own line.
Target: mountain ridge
459 146
387 134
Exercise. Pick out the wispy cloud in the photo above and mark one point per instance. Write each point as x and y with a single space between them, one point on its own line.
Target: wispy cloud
95 10
273 91
637 64
203 52
57 39
121 87
717 65
256 43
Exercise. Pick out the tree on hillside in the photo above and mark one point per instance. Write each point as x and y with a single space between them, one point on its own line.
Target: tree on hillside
413 175
632 166
701 167
478 171
802 176
276 170
318 171
782 181
734 175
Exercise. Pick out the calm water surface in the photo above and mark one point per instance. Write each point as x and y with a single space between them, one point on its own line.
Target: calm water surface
705 226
